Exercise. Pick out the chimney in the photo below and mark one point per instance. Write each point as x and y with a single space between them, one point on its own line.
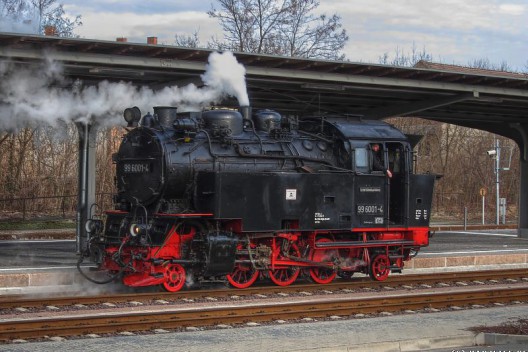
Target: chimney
50 30
152 40
121 39
246 112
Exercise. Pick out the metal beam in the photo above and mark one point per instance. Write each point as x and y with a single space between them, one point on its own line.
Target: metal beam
286 74
197 81
407 109
102 59
382 81
472 120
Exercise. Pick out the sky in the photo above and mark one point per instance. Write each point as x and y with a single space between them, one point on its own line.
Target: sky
452 31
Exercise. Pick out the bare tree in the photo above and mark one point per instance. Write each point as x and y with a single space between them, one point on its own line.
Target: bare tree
43 12
307 35
41 7
279 27
248 24
39 163
54 15
12 8
401 58
187 41
486 64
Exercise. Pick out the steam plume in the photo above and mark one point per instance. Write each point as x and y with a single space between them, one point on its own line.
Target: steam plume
225 74
43 94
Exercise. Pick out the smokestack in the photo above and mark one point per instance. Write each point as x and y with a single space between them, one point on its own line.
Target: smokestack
166 115
246 112
50 31
121 39
152 40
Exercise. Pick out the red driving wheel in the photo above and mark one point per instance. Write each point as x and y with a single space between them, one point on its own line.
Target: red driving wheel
244 274
379 268
174 277
322 275
285 275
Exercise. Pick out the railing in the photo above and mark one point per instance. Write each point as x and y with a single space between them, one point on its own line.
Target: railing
65 207
49 207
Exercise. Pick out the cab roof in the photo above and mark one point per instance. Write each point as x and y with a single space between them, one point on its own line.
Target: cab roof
358 128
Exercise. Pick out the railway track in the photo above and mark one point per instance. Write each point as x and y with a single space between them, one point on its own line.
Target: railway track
181 317
408 281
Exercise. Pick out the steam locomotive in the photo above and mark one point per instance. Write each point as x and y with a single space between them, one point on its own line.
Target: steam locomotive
240 195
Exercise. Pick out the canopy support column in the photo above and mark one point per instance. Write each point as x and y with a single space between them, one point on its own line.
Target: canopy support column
86 181
522 142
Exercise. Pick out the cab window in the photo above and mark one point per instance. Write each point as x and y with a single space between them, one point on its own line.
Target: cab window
396 157
361 159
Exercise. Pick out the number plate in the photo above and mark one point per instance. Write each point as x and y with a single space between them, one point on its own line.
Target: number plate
369 210
136 168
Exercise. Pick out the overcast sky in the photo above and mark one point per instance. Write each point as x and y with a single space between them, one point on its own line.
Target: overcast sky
452 31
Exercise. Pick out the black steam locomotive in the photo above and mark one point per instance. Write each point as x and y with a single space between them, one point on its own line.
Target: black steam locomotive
241 195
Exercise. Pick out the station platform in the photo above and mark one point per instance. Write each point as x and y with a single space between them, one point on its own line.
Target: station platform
36 265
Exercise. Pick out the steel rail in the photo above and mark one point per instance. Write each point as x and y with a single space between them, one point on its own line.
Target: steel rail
242 313
14 301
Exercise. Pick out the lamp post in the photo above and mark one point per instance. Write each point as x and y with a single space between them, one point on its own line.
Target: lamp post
495 153
497 173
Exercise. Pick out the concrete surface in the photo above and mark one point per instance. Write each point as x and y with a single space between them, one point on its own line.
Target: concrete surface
409 332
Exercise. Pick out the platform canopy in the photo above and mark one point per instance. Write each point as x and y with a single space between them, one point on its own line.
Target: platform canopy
482 98
488 100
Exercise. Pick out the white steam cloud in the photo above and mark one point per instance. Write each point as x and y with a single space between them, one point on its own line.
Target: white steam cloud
42 94
29 25
225 74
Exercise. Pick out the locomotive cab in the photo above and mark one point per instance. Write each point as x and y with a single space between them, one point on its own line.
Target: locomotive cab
401 200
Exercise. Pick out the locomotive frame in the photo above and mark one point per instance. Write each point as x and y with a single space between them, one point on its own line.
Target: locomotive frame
231 194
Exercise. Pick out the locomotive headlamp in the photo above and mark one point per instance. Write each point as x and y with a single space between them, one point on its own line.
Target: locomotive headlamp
132 116
93 226
138 229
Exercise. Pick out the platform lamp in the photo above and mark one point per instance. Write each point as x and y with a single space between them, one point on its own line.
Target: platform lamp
496 154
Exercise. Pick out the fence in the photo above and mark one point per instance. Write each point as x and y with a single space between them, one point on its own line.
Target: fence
446 207
451 207
31 208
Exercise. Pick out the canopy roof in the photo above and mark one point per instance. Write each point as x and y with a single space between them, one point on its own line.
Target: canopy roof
489 100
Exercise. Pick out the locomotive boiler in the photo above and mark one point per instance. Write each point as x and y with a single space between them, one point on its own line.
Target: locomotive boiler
244 195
